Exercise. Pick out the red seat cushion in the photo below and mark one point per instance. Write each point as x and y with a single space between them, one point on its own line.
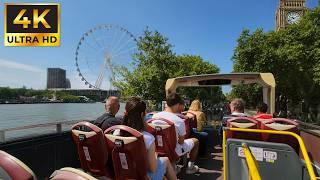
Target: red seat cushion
92 151
283 125
186 120
193 119
243 122
128 153
165 137
14 168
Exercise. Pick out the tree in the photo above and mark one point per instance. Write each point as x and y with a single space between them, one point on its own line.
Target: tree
292 55
152 66
154 63
193 65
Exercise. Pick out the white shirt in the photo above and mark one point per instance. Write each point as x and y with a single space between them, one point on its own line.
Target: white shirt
180 131
178 122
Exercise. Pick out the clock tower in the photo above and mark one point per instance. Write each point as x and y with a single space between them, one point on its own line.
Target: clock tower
289 12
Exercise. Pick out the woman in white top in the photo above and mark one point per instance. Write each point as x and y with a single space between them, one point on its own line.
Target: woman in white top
133 117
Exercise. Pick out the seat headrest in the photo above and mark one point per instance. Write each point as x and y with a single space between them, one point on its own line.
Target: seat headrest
87 126
20 163
87 134
242 125
126 140
280 127
163 126
70 173
159 122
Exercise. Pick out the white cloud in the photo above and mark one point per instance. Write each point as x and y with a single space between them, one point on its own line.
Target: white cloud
14 74
19 66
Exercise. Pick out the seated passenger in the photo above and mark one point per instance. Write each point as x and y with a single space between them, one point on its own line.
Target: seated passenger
237 107
158 166
108 119
237 110
262 109
198 132
183 145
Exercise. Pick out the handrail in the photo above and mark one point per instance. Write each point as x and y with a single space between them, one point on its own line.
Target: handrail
308 125
302 146
57 124
251 162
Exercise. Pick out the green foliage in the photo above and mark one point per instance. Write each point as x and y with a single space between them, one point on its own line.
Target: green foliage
67 98
154 64
193 65
292 55
7 93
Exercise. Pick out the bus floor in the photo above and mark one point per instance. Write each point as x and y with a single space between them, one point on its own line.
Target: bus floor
211 165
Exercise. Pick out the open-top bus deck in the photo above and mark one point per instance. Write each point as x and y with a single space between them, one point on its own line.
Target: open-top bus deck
46 153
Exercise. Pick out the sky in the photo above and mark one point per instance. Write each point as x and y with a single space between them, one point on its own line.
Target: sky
208 28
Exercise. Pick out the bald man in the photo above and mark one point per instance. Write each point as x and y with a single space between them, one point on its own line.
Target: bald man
108 119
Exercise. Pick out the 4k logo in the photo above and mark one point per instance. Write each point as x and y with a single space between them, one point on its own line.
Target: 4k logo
32 24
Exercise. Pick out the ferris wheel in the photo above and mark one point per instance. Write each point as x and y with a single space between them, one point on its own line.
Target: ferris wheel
100 50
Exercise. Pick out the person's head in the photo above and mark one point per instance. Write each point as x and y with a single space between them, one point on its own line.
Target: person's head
112 105
195 105
135 111
181 106
262 108
175 103
237 105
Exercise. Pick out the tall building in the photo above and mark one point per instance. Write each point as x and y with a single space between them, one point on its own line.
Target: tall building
56 78
68 83
289 12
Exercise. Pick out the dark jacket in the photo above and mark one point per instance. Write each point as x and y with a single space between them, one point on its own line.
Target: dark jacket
107 120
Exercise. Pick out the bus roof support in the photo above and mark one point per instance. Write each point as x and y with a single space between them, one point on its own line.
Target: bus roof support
266 80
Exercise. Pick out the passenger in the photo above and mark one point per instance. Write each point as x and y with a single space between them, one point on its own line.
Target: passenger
183 145
198 132
237 110
237 107
158 166
262 109
195 108
108 119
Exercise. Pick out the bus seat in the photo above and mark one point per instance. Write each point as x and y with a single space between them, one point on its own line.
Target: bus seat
281 124
13 168
165 137
128 152
186 120
92 151
69 173
275 161
243 122
192 117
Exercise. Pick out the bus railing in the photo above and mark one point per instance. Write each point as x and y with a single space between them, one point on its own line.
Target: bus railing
58 128
299 139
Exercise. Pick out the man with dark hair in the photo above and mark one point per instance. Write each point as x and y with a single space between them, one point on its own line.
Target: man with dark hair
108 119
174 105
262 108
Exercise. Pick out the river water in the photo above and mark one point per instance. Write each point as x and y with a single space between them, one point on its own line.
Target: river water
19 115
